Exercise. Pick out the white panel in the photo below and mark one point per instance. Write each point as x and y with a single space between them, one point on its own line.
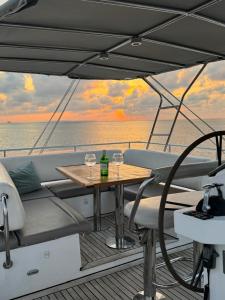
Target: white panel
57 261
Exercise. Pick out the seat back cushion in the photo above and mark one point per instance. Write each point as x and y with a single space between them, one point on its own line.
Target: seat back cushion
157 159
46 164
15 207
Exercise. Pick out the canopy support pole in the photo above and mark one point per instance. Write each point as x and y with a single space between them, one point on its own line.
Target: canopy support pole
177 107
156 116
60 116
52 116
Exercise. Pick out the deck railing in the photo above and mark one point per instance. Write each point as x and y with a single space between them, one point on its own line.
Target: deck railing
73 148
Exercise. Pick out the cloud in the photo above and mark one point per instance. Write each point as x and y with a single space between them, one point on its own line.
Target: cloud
3 97
28 84
22 96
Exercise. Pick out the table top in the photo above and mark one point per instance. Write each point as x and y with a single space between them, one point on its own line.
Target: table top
128 174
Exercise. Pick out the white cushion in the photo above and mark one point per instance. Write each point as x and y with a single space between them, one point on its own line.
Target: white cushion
148 213
148 210
15 208
149 159
156 159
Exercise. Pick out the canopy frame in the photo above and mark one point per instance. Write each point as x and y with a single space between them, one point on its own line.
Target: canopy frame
178 108
91 56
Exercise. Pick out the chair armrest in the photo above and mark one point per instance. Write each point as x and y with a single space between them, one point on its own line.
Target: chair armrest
147 182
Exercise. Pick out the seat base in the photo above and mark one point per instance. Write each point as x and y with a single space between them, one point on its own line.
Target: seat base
140 296
122 243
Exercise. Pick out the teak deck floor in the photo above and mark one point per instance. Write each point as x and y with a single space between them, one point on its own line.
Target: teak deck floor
117 285
95 251
121 282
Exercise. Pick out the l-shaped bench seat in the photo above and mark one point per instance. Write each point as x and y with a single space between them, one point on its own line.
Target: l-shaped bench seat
56 185
48 217
66 189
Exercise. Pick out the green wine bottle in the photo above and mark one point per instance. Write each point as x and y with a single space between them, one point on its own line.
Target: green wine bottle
104 164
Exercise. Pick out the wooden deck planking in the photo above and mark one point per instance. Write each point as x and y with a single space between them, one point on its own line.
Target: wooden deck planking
94 249
93 245
122 284
119 283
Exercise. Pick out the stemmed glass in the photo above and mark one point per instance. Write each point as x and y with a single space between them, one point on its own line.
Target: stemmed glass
90 161
117 160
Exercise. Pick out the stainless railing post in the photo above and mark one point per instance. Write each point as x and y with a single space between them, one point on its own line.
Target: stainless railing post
8 262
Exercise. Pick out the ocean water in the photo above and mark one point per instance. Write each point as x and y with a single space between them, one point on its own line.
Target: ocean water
20 135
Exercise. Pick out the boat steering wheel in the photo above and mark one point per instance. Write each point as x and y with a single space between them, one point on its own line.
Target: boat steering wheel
216 138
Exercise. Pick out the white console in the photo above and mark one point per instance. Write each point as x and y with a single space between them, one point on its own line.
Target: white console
212 232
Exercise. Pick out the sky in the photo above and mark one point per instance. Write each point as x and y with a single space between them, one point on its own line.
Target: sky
33 98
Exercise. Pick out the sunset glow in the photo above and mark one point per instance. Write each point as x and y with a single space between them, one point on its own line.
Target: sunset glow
33 98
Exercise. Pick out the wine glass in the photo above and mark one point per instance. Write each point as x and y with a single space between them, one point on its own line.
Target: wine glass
117 160
90 161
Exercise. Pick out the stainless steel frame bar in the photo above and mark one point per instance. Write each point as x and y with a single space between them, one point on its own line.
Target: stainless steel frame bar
149 265
187 107
156 117
181 103
8 262
120 241
179 108
97 209
149 274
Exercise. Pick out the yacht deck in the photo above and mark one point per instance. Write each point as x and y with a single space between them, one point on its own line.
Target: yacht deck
122 282
124 279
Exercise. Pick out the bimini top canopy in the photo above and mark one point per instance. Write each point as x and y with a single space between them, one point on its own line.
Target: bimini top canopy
110 39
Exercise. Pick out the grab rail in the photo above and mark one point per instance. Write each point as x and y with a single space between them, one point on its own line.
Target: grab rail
8 262
74 148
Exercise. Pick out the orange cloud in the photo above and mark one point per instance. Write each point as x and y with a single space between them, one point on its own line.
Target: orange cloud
121 100
28 83
3 97
94 90
203 84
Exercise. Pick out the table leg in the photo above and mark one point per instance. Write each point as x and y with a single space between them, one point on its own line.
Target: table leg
97 208
120 241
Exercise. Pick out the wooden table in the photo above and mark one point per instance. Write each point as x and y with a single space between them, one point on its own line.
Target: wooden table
128 174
